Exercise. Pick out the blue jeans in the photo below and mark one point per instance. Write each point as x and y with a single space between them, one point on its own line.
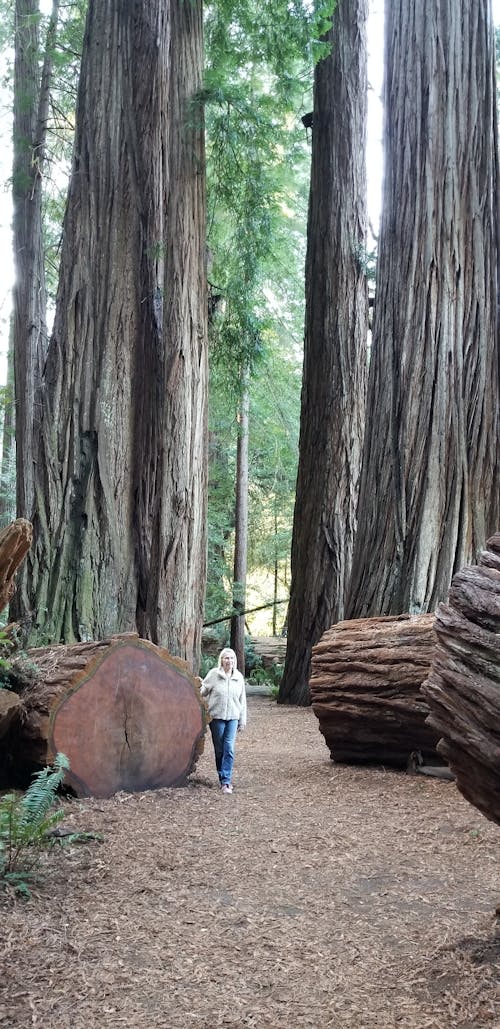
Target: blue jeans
223 737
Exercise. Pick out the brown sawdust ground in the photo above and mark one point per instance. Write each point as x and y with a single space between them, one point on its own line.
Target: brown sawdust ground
316 895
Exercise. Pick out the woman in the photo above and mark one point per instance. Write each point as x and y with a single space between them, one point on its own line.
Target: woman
224 688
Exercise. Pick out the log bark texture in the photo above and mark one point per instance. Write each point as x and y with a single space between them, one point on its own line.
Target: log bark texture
126 713
15 541
463 687
270 649
10 707
365 684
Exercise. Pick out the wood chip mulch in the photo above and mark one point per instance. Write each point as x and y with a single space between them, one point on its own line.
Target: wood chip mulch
317 895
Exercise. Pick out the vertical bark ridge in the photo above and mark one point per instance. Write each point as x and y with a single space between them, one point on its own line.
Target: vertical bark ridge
123 434
428 503
333 390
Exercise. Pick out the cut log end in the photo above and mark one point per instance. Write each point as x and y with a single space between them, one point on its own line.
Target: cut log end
130 717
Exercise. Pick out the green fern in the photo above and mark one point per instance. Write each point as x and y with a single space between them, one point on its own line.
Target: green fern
40 796
26 821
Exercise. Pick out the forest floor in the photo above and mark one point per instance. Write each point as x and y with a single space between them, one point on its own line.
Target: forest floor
316 895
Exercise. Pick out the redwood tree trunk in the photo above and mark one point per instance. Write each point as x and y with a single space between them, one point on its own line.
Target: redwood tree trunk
121 475
335 349
8 459
429 494
31 105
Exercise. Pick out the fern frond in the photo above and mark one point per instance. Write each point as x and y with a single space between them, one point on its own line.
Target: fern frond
41 794
26 822
19 880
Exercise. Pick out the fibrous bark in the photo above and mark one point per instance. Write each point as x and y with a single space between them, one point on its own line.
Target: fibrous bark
15 542
365 684
333 390
121 470
463 687
430 484
126 713
31 109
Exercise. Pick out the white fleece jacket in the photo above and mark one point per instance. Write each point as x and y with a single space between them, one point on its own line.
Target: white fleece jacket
226 695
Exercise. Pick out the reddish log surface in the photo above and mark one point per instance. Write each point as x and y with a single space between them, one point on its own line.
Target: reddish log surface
10 708
463 687
15 541
365 689
127 714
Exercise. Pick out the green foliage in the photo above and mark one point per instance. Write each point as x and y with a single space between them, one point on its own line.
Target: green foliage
26 821
6 645
18 674
273 446
270 676
257 84
66 838
66 58
206 663
254 90
322 23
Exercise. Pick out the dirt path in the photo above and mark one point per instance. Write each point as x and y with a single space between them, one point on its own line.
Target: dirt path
315 895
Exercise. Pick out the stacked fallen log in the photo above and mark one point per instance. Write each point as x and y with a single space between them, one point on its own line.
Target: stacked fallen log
463 687
270 649
365 689
127 714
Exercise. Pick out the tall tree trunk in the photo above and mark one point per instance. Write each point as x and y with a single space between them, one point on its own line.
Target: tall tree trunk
333 388
275 572
429 494
121 477
31 107
8 460
241 528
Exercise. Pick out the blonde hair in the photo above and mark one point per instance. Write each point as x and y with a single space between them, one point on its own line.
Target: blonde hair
227 652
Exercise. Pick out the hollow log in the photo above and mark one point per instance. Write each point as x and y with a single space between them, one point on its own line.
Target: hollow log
127 714
365 689
463 686
15 541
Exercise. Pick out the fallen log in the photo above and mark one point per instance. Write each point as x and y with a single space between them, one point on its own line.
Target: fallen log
10 708
463 686
365 689
270 649
127 714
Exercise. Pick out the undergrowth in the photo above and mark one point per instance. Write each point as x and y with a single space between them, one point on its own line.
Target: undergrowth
26 823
